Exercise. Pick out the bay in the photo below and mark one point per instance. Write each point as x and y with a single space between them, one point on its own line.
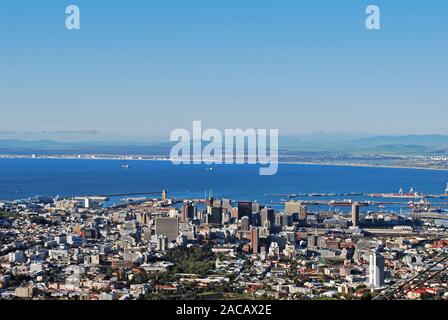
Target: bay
22 178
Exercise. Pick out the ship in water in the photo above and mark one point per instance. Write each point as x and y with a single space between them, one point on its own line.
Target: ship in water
209 169
345 202
423 206
126 166
401 194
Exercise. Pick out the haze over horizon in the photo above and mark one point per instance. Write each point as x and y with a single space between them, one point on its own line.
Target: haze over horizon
59 139
138 71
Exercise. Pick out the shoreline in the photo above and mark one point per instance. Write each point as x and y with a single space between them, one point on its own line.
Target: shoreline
161 158
361 165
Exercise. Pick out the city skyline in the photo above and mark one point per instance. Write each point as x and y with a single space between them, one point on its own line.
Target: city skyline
227 157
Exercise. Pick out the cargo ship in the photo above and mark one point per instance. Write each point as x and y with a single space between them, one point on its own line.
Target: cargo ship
401 194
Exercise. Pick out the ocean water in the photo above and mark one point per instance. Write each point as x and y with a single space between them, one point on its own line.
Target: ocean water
22 178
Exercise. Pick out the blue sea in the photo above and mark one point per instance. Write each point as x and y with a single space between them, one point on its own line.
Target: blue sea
23 178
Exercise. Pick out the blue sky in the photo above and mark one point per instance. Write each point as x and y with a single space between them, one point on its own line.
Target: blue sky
139 69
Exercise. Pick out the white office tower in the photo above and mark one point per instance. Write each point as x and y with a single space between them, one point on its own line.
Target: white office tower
376 270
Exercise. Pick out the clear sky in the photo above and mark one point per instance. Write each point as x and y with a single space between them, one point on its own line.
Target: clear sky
143 68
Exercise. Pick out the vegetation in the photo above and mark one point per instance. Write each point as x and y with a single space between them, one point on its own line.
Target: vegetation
40 221
8 214
198 260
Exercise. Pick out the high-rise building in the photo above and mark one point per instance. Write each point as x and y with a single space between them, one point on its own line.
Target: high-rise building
355 214
188 212
225 216
143 217
303 212
234 213
376 270
245 223
292 207
188 229
255 239
255 207
278 219
267 217
313 242
227 204
286 220
255 219
168 227
209 201
244 209
161 243
215 216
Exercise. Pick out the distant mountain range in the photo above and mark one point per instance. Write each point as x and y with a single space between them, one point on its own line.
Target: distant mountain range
407 144
49 147
335 143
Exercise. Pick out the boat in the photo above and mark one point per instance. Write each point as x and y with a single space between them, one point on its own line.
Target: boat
401 194
126 166
423 206
209 169
345 202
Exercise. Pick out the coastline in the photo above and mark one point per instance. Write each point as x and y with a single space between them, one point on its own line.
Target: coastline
362 165
164 158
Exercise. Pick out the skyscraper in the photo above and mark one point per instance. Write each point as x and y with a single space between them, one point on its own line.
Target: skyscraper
255 207
292 207
255 239
227 204
215 216
244 209
278 219
267 217
376 270
245 223
209 201
286 220
255 218
303 212
188 212
168 227
161 243
355 214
